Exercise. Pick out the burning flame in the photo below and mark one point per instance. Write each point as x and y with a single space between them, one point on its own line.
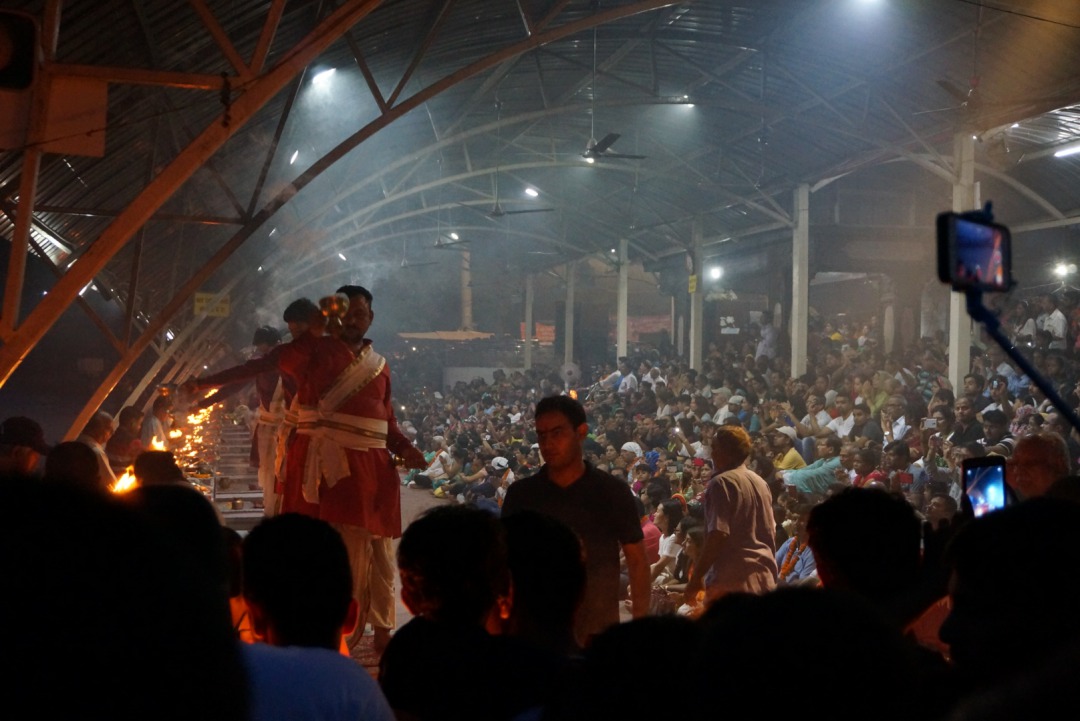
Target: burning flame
125 482
197 419
156 444
175 433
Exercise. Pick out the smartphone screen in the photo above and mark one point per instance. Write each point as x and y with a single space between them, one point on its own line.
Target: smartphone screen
984 483
973 255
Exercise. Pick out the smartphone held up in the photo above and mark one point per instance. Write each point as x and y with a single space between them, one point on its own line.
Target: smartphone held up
983 481
973 254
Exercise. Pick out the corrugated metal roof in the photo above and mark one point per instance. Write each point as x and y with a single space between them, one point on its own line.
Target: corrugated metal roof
734 103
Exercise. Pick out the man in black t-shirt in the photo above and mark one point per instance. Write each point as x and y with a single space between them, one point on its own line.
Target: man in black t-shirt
966 429
596 506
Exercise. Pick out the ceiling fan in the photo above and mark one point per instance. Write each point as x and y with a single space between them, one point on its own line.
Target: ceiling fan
597 150
497 211
406 263
967 102
449 243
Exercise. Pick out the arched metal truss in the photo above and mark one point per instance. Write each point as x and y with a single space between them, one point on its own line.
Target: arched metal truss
22 338
845 115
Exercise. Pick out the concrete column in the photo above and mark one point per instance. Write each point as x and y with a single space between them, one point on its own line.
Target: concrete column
697 297
888 324
466 292
680 334
965 196
568 324
530 332
800 280
888 316
622 301
671 328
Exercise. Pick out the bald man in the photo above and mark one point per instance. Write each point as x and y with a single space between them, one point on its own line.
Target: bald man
1037 461
95 435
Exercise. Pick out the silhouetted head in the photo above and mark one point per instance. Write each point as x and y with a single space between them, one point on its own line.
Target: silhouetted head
461 584
1013 595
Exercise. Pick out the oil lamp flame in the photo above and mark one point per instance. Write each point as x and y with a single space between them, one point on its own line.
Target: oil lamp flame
125 482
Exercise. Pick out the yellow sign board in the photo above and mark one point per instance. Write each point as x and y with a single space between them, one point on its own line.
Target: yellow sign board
204 303
693 283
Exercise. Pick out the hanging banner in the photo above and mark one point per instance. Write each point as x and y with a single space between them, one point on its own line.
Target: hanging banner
203 303
543 332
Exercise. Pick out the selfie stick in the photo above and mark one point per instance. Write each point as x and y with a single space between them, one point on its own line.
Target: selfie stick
992 323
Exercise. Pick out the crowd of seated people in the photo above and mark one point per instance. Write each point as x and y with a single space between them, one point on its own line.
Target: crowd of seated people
857 417
899 604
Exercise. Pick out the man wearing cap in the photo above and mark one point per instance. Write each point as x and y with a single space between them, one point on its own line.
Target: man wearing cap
22 444
787 458
502 468
631 453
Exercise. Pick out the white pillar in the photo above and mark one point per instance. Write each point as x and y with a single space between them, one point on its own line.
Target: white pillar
568 324
622 301
887 288
697 297
800 280
888 325
680 334
529 330
671 328
466 293
964 197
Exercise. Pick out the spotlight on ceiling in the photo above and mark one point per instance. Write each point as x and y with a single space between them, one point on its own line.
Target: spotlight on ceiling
716 272
1063 269
322 78
532 192
1070 149
455 236
342 256
590 161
